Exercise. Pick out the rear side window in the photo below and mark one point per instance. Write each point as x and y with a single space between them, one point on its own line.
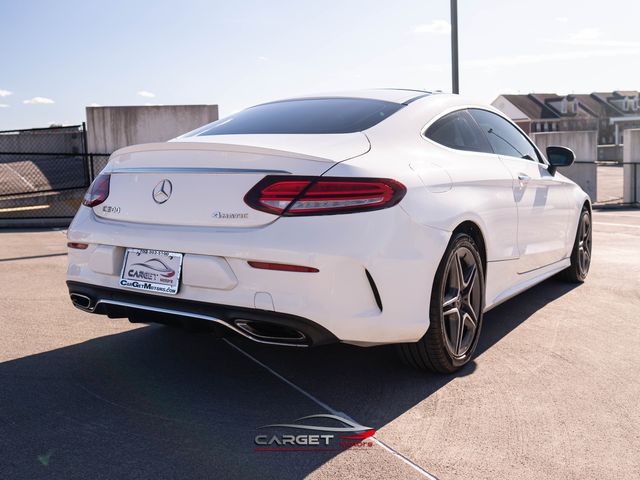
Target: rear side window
458 130
310 115
505 139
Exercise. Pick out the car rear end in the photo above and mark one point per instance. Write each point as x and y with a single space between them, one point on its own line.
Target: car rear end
267 235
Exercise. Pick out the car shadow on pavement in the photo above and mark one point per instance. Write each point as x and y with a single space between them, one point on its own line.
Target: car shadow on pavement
159 402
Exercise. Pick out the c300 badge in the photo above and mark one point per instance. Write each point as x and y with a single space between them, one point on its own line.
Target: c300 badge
110 209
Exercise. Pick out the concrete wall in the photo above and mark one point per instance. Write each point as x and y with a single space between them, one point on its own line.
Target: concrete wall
111 128
631 168
54 140
585 145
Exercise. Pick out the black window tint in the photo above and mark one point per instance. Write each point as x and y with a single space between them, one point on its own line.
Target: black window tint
311 115
505 139
458 130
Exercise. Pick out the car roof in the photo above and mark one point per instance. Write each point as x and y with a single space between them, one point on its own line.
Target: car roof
396 95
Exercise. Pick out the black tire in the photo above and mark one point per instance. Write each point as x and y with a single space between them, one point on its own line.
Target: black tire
581 254
464 303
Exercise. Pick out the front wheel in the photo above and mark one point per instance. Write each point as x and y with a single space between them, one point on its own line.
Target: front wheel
457 302
581 253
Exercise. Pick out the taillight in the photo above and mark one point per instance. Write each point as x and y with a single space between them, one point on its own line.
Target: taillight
98 191
297 195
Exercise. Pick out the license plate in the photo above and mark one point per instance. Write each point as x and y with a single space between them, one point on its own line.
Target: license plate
151 270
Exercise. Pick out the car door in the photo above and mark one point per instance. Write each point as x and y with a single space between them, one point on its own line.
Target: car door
481 181
541 198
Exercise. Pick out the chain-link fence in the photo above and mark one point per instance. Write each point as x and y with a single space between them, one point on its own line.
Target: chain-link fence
44 172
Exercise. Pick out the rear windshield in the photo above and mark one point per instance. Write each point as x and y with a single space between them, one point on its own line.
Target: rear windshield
311 115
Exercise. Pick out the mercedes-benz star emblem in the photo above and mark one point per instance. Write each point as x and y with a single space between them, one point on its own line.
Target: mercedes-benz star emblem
162 191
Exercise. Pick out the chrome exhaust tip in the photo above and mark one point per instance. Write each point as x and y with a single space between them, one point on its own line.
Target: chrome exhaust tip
80 301
271 332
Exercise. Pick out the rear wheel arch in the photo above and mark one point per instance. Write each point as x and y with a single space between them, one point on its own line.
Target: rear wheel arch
473 230
456 306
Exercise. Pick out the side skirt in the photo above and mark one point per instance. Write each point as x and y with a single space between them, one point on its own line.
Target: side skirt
498 271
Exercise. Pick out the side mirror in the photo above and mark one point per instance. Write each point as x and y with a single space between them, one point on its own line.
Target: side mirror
559 157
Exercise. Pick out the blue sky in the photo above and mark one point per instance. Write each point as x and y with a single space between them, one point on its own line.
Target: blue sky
58 57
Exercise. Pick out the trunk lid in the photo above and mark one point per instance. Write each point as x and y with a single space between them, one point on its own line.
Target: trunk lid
202 181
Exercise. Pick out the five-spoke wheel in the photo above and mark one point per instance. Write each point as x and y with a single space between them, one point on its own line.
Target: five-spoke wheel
457 301
461 302
582 250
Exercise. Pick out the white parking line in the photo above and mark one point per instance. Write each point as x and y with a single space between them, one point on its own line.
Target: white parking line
613 214
617 224
333 411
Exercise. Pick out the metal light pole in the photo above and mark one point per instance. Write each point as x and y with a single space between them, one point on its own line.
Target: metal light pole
455 86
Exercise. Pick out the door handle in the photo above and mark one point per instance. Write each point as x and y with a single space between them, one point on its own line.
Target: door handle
523 177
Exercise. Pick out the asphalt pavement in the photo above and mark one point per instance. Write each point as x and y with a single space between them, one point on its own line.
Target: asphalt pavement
554 391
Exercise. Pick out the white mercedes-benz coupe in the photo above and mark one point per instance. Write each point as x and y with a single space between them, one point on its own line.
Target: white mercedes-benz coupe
371 217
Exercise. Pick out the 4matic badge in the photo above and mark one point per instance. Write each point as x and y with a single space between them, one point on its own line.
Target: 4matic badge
230 215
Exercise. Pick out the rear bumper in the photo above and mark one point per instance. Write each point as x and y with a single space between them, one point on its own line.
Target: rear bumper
258 325
373 286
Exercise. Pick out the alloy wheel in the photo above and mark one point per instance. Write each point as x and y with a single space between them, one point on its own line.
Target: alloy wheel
584 244
461 302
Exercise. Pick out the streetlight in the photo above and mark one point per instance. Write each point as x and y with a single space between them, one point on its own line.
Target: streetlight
455 85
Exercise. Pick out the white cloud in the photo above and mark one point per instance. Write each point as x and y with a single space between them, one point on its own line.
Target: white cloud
94 104
38 101
146 94
592 37
436 68
586 34
532 59
153 104
4 105
263 59
562 19
5 93
437 27
504 61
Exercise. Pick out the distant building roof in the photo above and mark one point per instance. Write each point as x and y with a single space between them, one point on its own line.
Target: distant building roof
530 107
620 102
542 106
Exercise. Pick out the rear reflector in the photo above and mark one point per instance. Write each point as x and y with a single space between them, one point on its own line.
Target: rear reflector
298 195
282 267
77 245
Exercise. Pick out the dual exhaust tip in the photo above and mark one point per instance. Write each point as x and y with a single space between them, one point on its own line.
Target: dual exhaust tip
263 331
271 332
82 302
